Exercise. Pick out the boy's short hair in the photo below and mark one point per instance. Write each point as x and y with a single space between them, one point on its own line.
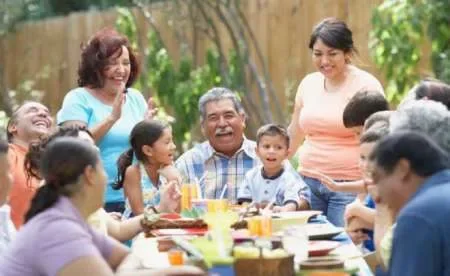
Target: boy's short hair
375 133
3 147
272 130
363 104
378 118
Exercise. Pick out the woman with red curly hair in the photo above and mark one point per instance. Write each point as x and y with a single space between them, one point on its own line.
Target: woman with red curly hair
105 103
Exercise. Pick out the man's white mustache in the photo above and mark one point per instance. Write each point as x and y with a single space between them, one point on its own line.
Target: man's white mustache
221 131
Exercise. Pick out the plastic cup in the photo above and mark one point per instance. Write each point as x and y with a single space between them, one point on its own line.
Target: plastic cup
266 226
255 226
217 205
295 241
175 257
185 197
200 205
193 192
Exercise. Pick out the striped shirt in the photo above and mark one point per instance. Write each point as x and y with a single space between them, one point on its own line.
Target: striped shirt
214 170
285 188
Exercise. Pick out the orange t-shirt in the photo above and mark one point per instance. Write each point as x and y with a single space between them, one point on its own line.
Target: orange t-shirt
329 147
22 189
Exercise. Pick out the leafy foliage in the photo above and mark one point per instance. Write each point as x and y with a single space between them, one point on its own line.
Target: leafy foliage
439 33
178 88
400 28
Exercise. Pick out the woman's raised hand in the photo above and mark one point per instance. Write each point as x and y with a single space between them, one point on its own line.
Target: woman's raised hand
151 109
116 112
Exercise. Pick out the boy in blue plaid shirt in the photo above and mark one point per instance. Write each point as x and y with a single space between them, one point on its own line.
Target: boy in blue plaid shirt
272 183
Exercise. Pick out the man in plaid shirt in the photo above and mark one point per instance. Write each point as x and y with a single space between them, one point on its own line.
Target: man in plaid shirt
225 158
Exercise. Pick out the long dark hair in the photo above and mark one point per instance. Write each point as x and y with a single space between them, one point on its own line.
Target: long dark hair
33 156
62 163
144 133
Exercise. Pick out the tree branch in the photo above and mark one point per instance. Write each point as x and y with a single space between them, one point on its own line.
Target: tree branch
236 31
149 19
5 99
144 68
194 35
233 33
217 41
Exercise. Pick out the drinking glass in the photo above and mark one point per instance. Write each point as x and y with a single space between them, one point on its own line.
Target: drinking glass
295 241
185 197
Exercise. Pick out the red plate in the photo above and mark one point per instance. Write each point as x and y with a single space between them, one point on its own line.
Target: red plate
170 216
179 232
321 248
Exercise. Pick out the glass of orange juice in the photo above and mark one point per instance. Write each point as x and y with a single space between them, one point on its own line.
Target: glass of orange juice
175 257
255 226
185 197
266 226
194 191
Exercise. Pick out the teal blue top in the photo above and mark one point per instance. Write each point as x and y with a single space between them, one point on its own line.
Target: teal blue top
80 105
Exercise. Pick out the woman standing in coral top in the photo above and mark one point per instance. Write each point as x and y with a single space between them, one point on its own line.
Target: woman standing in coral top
329 147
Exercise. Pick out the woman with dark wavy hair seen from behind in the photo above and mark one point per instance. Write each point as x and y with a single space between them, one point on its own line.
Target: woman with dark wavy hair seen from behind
105 103
56 240
100 220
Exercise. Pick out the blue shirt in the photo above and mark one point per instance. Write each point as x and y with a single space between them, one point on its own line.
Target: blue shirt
80 105
421 244
287 187
369 244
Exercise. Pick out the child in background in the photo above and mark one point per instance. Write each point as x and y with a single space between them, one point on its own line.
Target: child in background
271 184
364 110
7 229
367 111
360 107
152 145
364 209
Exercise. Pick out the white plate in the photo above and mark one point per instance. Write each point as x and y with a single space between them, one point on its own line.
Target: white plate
322 231
296 214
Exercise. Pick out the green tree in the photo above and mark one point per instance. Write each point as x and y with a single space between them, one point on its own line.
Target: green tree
176 88
400 28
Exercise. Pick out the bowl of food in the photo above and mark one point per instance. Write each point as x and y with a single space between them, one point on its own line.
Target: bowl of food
286 219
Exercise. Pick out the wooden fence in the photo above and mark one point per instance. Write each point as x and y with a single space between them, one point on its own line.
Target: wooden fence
48 51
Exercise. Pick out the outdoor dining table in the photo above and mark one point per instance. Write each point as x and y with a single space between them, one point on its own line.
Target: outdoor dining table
145 252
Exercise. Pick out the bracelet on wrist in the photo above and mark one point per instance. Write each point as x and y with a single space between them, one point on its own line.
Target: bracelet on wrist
154 210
